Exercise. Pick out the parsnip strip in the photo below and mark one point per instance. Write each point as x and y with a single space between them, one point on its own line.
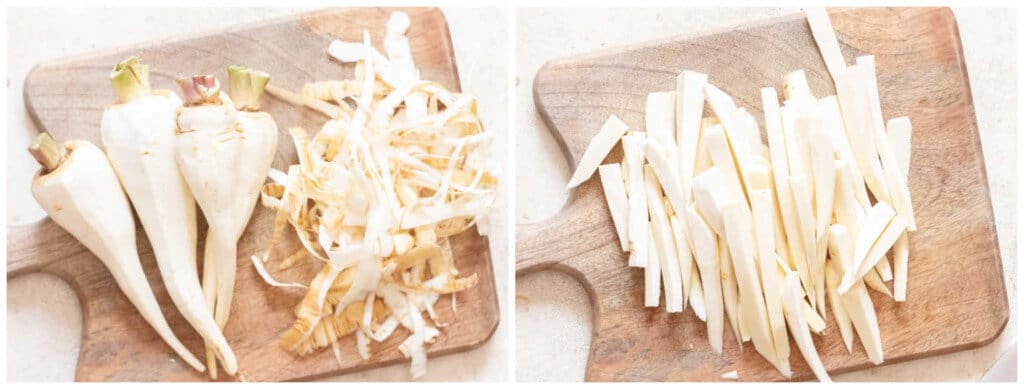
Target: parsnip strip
832 278
730 294
706 254
689 108
825 37
856 301
660 118
618 203
739 234
792 303
762 205
684 253
599 147
652 273
638 222
899 192
664 244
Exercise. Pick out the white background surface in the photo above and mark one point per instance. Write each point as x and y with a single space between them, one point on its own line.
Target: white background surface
44 319
553 315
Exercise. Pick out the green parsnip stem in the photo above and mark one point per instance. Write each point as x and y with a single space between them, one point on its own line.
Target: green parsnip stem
246 87
131 80
46 151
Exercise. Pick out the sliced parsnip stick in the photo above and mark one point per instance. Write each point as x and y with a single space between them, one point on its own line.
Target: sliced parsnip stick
825 38
814 321
599 147
706 254
703 157
856 301
896 180
784 195
884 269
665 172
689 108
618 203
823 168
900 255
722 155
762 205
878 217
792 303
730 294
697 297
720 102
874 281
885 241
744 327
853 101
660 118
638 223
740 237
684 253
832 121
708 195
805 215
795 88
652 272
899 138
847 209
832 278
664 244
899 192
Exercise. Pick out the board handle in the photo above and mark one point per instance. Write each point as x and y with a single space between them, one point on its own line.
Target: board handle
583 223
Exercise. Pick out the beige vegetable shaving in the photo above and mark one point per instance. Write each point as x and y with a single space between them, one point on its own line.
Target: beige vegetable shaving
402 165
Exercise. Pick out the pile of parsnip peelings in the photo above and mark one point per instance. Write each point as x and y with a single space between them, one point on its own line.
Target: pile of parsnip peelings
744 232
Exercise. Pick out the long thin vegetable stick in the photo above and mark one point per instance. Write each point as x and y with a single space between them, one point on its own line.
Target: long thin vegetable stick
706 254
792 302
664 244
638 222
730 295
599 147
618 203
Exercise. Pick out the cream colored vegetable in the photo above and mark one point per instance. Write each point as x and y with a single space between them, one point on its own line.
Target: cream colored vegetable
602 143
752 213
79 190
224 148
138 134
618 204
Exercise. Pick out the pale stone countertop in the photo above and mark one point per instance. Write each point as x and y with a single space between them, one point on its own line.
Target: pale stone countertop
553 314
44 319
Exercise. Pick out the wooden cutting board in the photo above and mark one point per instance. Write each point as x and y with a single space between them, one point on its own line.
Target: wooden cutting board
956 294
66 98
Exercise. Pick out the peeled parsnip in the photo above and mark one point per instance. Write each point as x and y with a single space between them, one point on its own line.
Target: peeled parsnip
138 134
79 190
224 149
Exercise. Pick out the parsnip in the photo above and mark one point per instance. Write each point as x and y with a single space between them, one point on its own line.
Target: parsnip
618 203
792 302
740 237
138 134
224 148
632 146
602 143
664 244
730 294
832 279
79 190
706 254
856 301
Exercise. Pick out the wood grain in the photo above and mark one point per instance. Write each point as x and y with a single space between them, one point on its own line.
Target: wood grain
956 293
66 98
